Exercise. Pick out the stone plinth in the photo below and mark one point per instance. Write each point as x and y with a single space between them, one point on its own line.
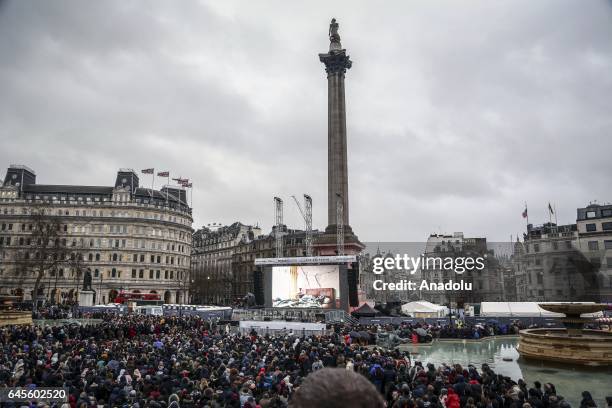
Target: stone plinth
326 244
86 297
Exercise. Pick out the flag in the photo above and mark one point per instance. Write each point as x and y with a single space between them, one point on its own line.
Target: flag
188 185
180 180
148 171
163 174
525 212
550 208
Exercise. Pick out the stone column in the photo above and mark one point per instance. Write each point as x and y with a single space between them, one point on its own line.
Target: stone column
336 63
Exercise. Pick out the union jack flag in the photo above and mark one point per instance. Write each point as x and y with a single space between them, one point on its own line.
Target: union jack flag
148 171
163 174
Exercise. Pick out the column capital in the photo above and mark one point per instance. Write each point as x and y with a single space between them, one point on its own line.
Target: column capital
336 61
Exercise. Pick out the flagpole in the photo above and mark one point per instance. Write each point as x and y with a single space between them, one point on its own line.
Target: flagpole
153 184
555 208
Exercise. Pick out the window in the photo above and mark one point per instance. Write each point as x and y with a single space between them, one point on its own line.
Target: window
607 212
591 227
536 247
591 214
114 273
608 244
141 273
609 262
157 274
555 245
133 273
593 245
606 226
151 274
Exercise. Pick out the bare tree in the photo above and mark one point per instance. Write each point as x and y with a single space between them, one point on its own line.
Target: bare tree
47 249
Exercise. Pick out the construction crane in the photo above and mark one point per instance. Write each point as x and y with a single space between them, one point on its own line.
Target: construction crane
339 225
278 220
307 215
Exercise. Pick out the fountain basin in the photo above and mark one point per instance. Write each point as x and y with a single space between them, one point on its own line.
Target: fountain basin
592 348
573 309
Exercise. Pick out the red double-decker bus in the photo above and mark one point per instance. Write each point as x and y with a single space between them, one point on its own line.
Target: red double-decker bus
140 298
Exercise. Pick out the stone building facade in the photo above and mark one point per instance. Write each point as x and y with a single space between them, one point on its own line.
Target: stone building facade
594 225
486 284
212 260
549 267
130 238
224 259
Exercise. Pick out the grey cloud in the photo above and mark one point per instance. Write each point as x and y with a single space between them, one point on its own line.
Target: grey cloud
457 112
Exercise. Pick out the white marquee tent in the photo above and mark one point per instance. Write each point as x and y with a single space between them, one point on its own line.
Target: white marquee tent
423 308
516 309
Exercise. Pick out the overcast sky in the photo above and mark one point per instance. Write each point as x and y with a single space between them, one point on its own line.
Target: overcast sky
457 112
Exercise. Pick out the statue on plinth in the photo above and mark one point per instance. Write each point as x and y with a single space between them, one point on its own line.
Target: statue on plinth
334 37
87 280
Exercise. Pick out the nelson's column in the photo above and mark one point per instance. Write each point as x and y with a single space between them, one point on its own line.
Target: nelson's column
336 63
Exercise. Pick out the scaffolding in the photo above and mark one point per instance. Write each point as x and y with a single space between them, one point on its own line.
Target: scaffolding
307 215
278 220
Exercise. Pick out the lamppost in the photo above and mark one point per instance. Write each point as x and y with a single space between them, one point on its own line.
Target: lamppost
100 288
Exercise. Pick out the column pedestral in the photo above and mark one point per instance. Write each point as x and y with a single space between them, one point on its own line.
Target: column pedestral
86 297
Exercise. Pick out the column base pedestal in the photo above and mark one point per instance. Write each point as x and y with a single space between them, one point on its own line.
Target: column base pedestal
326 244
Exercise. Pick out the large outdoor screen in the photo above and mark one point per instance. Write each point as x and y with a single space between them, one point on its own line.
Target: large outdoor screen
312 286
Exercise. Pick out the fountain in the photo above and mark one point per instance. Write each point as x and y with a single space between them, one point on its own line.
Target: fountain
572 345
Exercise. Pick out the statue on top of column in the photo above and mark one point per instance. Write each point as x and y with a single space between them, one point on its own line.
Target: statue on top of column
334 37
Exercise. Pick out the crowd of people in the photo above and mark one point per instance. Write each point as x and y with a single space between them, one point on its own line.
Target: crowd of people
54 312
148 361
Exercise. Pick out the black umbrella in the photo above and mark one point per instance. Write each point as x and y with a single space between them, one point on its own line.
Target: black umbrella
420 331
